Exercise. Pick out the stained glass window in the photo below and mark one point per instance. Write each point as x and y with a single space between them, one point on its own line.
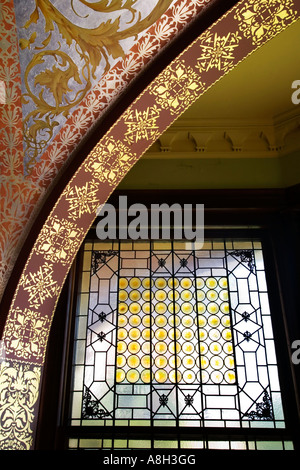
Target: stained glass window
168 335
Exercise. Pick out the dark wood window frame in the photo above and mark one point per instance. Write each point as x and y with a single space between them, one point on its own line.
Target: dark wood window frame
271 215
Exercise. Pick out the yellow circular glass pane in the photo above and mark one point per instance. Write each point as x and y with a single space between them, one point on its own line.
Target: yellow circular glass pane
147 347
120 375
161 362
161 376
146 361
121 360
160 347
203 348
122 320
216 362
211 283
188 334
174 333
199 282
200 307
187 320
188 347
134 307
123 283
216 376
147 307
123 295
173 295
202 334
147 283
223 295
226 334
135 295
134 320
204 363
174 361
189 376
223 283
147 295
186 283
147 333
200 321
173 283
173 308
121 347
224 307
175 376
134 333
215 347
134 347
160 295
174 320
200 295
160 320
226 321
160 283
188 362
132 376
135 283
160 307
147 320
186 307
229 362
212 295
133 361
160 334
146 376
186 295
122 333
229 376
214 321
122 308
213 307
214 334
228 348
172 346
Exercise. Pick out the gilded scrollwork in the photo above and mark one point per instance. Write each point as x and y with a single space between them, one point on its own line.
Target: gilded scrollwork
262 20
19 389
110 161
58 240
177 87
59 74
26 334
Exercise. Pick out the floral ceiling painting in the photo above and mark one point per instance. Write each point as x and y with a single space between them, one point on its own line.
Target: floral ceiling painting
61 65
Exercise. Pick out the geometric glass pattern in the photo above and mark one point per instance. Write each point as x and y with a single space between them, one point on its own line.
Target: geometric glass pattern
174 336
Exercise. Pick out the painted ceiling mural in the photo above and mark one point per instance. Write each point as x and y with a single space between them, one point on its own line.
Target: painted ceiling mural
61 64
236 35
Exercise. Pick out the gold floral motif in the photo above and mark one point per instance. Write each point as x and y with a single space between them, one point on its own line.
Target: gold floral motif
55 82
260 20
26 335
58 240
142 125
19 389
177 88
40 285
110 161
82 199
217 51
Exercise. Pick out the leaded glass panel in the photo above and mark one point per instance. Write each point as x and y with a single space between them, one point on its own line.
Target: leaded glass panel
171 335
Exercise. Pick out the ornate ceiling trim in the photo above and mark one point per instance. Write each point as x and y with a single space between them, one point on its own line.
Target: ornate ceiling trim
238 33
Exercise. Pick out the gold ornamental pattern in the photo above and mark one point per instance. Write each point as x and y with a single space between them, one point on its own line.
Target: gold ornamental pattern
40 285
82 199
142 124
19 389
110 161
262 20
58 240
217 51
26 335
177 87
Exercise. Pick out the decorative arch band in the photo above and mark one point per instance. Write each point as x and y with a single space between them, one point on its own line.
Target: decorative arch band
241 31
